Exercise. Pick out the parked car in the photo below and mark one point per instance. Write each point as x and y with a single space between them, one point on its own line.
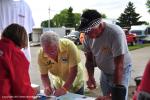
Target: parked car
131 37
142 32
74 36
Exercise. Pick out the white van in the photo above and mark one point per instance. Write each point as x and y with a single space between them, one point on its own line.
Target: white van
142 32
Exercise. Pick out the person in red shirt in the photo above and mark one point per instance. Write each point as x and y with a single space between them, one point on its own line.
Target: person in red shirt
143 90
14 77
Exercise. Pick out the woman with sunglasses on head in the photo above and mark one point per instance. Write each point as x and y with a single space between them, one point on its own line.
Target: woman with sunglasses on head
107 44
14 77
61 58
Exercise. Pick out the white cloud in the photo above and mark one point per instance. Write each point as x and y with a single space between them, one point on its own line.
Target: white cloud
112 8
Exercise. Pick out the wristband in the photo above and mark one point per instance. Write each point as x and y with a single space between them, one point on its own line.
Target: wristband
118 92
64 88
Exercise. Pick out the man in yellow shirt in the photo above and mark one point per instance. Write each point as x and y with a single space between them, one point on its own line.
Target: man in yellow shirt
61 58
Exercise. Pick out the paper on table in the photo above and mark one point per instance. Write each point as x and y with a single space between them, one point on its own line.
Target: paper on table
84 98
68 96
72 96
42 95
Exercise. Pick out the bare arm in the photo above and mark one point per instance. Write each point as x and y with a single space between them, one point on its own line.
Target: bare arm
46 83
89 64
71 78
68 83
119 61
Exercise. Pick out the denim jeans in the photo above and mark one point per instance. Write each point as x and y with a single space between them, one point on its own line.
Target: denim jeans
106 81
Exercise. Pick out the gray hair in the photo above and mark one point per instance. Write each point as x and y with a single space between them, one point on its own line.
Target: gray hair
49 37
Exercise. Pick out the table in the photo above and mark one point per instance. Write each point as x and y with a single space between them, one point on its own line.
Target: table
72 96
67 96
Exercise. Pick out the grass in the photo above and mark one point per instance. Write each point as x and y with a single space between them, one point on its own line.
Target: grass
137 46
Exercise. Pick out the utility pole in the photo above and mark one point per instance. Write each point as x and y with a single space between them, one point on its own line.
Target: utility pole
49 17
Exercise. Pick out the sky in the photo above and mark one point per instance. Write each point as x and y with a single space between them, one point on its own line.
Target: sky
111 8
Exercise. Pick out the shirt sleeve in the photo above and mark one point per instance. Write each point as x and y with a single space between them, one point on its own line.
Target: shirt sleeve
74 54
119 43
43 67
86 46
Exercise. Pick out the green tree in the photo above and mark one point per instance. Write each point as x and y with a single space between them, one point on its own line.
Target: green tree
60 20
70 22
103 15
77 19
44 23
148 5
129 17
65 18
